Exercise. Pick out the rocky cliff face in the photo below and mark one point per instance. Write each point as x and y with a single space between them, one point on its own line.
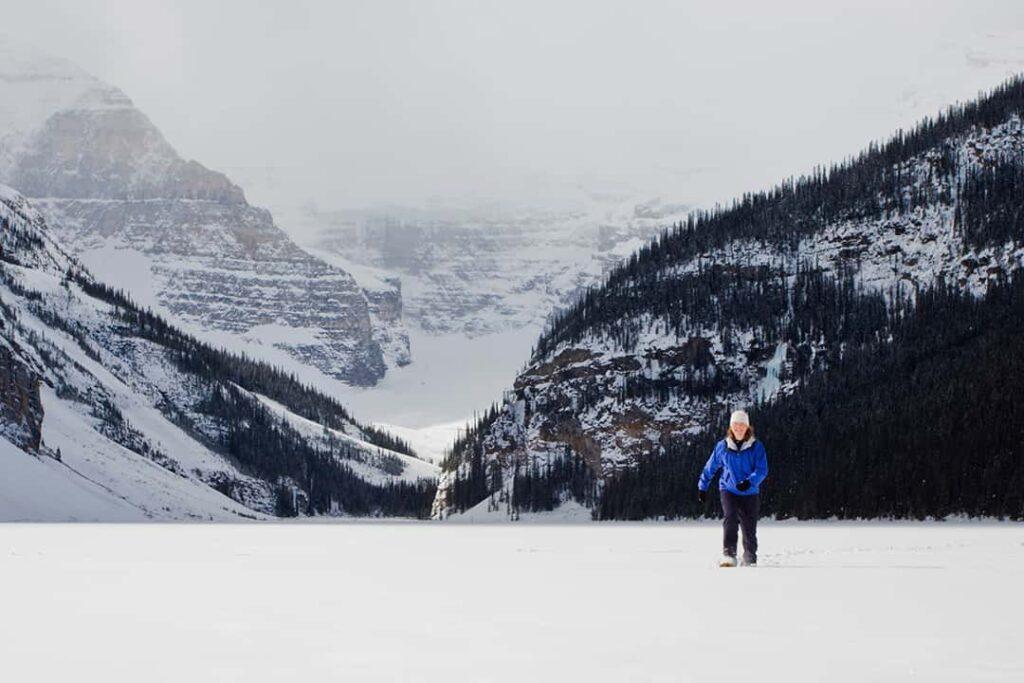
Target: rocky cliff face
181 237
21 411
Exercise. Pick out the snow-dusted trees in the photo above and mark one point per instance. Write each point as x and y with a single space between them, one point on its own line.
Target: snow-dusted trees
260 442
875 184
929 424
786 269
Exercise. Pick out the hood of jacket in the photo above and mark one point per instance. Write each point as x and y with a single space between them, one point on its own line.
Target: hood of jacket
733 446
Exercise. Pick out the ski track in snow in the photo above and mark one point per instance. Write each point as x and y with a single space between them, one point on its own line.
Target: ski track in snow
462 602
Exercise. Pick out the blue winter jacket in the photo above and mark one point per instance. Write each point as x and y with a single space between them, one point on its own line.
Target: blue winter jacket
747 461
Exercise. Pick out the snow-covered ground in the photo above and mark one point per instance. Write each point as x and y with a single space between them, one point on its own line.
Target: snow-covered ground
481 602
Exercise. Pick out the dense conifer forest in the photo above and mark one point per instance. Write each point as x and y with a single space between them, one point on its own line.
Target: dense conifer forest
926 425
872 185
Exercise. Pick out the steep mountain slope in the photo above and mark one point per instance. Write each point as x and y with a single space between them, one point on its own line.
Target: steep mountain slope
147 422
741 305
180 236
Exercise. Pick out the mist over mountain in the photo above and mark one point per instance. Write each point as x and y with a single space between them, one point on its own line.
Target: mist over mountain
180 237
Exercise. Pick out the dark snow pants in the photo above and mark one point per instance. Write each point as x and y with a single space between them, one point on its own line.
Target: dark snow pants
740 510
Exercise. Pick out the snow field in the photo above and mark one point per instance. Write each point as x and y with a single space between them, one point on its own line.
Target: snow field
47 491
483 602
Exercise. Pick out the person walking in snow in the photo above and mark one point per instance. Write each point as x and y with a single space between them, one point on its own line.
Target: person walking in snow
744 465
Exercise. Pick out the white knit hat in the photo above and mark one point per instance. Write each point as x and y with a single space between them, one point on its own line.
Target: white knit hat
739 417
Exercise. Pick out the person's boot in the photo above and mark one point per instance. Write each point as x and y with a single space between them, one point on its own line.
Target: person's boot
727 560
749 561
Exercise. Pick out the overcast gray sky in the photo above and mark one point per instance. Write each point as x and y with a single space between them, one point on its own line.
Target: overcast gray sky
361 102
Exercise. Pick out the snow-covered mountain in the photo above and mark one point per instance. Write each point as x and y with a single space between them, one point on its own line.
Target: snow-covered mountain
480 270
109 412
742 305
180 237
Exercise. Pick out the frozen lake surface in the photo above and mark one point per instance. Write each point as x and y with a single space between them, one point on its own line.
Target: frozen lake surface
511 602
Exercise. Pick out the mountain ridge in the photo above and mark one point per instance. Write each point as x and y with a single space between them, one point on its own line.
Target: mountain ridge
177 428
114 187
739 304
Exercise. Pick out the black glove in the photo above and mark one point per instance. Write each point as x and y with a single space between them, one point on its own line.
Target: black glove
702 496
743 485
